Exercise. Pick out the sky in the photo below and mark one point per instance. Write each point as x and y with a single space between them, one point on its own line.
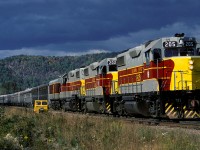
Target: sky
76 27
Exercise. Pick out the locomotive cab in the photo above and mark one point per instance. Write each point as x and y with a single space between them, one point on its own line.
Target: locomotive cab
100 83
108 76
184 90
107 71
73 90
163 75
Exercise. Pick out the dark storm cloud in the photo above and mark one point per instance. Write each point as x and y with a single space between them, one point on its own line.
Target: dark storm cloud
36 23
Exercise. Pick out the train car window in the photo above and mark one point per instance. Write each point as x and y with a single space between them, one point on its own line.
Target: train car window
51 89
135 53
112 68
86 72
71 74
179 52
38 103
64 80
198 51
104 70
121 61
44 103
98 70
171 52
157 56
57 88
78 74
187 52
147 56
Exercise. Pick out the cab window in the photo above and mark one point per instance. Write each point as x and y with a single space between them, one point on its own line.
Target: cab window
104 70
44 103
38 103
147 56
198 52
157 56
112 67
187 52
179 52
171 52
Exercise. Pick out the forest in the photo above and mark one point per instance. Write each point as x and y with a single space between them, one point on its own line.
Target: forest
23 71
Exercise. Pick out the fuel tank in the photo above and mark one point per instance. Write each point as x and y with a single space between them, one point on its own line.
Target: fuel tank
135 106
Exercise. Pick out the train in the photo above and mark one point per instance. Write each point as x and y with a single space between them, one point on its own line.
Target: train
159 78
25 98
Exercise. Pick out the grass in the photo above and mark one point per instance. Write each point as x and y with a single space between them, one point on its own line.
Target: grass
21 129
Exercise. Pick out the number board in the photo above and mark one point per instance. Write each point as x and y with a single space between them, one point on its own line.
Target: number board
170 44
111 62
189 43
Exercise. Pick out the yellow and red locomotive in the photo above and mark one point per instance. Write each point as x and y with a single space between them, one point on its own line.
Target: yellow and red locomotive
159 78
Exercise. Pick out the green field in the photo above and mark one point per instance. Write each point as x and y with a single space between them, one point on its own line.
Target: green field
21 128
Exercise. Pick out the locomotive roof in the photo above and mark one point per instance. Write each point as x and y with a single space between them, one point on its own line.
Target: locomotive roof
93 65
40 86
135 51
78 69
71 73
64 75
6 95
58 80
27 90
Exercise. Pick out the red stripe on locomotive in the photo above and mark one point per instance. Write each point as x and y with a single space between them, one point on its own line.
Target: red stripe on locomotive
100 80
162 72
71 86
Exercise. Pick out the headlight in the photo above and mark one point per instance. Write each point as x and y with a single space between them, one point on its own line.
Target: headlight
191 67
191 62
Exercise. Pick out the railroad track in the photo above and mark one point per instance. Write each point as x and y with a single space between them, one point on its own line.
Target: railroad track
176 123
190 124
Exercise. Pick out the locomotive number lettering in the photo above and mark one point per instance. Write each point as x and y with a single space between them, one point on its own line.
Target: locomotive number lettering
140 69
189 43
134 70
111 62
170 44
138 77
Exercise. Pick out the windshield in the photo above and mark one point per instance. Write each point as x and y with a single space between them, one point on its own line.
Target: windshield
179 52
44 103
38 103
113 68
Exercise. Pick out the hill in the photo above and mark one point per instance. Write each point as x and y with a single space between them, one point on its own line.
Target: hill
20 72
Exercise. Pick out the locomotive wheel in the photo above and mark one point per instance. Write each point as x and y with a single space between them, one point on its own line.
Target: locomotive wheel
64 109
180 114
85 110
156 112
101 108
120 110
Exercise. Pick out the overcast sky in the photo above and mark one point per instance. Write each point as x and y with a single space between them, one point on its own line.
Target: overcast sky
70 27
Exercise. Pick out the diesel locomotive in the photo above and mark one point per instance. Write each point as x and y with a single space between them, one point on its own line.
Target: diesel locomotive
160 78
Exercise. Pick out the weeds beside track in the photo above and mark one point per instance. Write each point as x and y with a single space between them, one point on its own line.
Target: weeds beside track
59 130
